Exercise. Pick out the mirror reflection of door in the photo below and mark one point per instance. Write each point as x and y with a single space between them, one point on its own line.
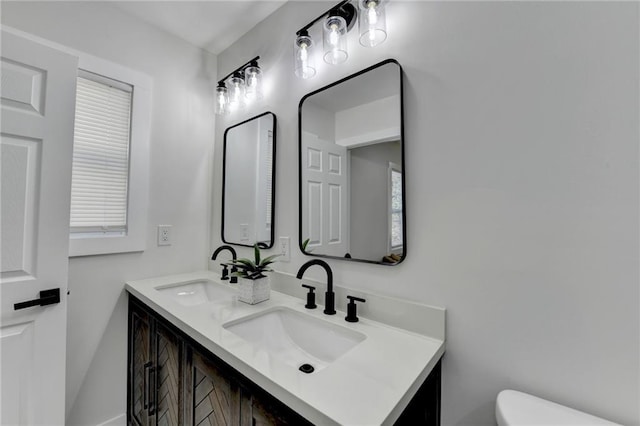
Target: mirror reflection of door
351 168
248 182
324 176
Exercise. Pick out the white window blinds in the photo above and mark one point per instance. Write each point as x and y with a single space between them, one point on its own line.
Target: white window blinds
268 168
100 155
396 207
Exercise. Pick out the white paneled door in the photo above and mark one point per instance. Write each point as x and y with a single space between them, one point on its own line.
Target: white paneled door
325 196
37 94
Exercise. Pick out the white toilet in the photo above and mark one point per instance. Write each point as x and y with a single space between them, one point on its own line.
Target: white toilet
517 408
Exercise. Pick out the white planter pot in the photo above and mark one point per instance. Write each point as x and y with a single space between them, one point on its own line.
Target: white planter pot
254 291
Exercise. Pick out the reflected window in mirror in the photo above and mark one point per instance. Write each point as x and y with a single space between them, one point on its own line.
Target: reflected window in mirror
351 168
248 182
395 209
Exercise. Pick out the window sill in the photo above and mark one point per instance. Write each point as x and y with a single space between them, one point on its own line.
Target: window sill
105 244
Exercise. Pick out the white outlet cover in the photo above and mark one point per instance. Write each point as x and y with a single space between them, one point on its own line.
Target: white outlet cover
284 247
164 235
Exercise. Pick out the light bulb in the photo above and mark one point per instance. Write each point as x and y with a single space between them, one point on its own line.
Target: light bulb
253 81
373 15
372 22
303 56
333 35
222 99
236 91
335 40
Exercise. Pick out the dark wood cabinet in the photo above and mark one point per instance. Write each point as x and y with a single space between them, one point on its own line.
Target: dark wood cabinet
174 381
168 377
212 397
258 408
155 371
139 366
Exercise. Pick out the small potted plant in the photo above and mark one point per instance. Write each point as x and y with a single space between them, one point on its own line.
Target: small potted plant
254 283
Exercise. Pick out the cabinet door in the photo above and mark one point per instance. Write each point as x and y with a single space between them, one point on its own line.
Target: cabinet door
212 397
258 408
168 396
140 366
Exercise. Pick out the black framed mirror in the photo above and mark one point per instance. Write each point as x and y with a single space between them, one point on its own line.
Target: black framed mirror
351 168
248 182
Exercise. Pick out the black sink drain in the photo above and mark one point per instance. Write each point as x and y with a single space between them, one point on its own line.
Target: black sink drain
306 368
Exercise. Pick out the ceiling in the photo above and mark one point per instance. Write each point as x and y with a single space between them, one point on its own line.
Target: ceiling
374 85
212 25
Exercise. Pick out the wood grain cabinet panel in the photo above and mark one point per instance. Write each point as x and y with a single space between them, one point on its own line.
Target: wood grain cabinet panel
258 408
169 378
155 370
212 397
139 366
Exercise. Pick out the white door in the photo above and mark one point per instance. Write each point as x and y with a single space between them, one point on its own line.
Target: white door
37 111
325 196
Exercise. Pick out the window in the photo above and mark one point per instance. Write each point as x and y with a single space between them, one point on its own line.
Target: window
110 160
395 208
100 156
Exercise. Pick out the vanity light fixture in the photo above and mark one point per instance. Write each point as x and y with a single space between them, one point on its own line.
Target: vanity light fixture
336 23
253 81
334 37
236 90
222 99
303 55
372 22
244 84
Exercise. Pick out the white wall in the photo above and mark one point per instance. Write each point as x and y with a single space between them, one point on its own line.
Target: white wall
319 122
240 185
522 189
380 119
181 141
369 193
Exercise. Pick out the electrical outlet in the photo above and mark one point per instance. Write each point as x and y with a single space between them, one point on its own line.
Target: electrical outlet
164 235
244 232
285 249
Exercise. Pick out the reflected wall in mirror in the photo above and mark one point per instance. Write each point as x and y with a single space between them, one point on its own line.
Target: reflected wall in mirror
248 182
351 164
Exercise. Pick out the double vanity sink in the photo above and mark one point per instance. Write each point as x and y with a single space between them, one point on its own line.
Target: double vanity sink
326 369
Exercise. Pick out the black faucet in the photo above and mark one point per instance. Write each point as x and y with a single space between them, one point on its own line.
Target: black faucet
329 296
225 273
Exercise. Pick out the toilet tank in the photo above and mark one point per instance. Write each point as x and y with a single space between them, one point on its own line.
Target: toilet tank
518 408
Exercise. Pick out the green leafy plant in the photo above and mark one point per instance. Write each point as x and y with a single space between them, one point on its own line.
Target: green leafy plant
254 269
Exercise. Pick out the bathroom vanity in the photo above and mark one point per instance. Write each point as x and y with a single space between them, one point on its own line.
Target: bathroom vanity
173 380
196 354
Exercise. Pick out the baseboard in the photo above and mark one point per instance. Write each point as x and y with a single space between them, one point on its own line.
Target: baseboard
120 420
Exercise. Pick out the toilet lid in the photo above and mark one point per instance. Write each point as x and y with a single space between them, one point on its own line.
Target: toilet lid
517 408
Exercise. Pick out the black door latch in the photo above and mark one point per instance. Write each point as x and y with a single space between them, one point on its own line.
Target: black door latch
47 297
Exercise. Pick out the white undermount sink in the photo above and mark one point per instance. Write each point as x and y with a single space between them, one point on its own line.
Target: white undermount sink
197 292
296 338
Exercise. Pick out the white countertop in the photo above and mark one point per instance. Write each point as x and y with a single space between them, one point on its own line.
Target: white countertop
369 385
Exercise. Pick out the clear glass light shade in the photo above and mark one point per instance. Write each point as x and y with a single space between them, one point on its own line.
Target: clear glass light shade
222 100
372 22
335 40
236 91
303 57
253 82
